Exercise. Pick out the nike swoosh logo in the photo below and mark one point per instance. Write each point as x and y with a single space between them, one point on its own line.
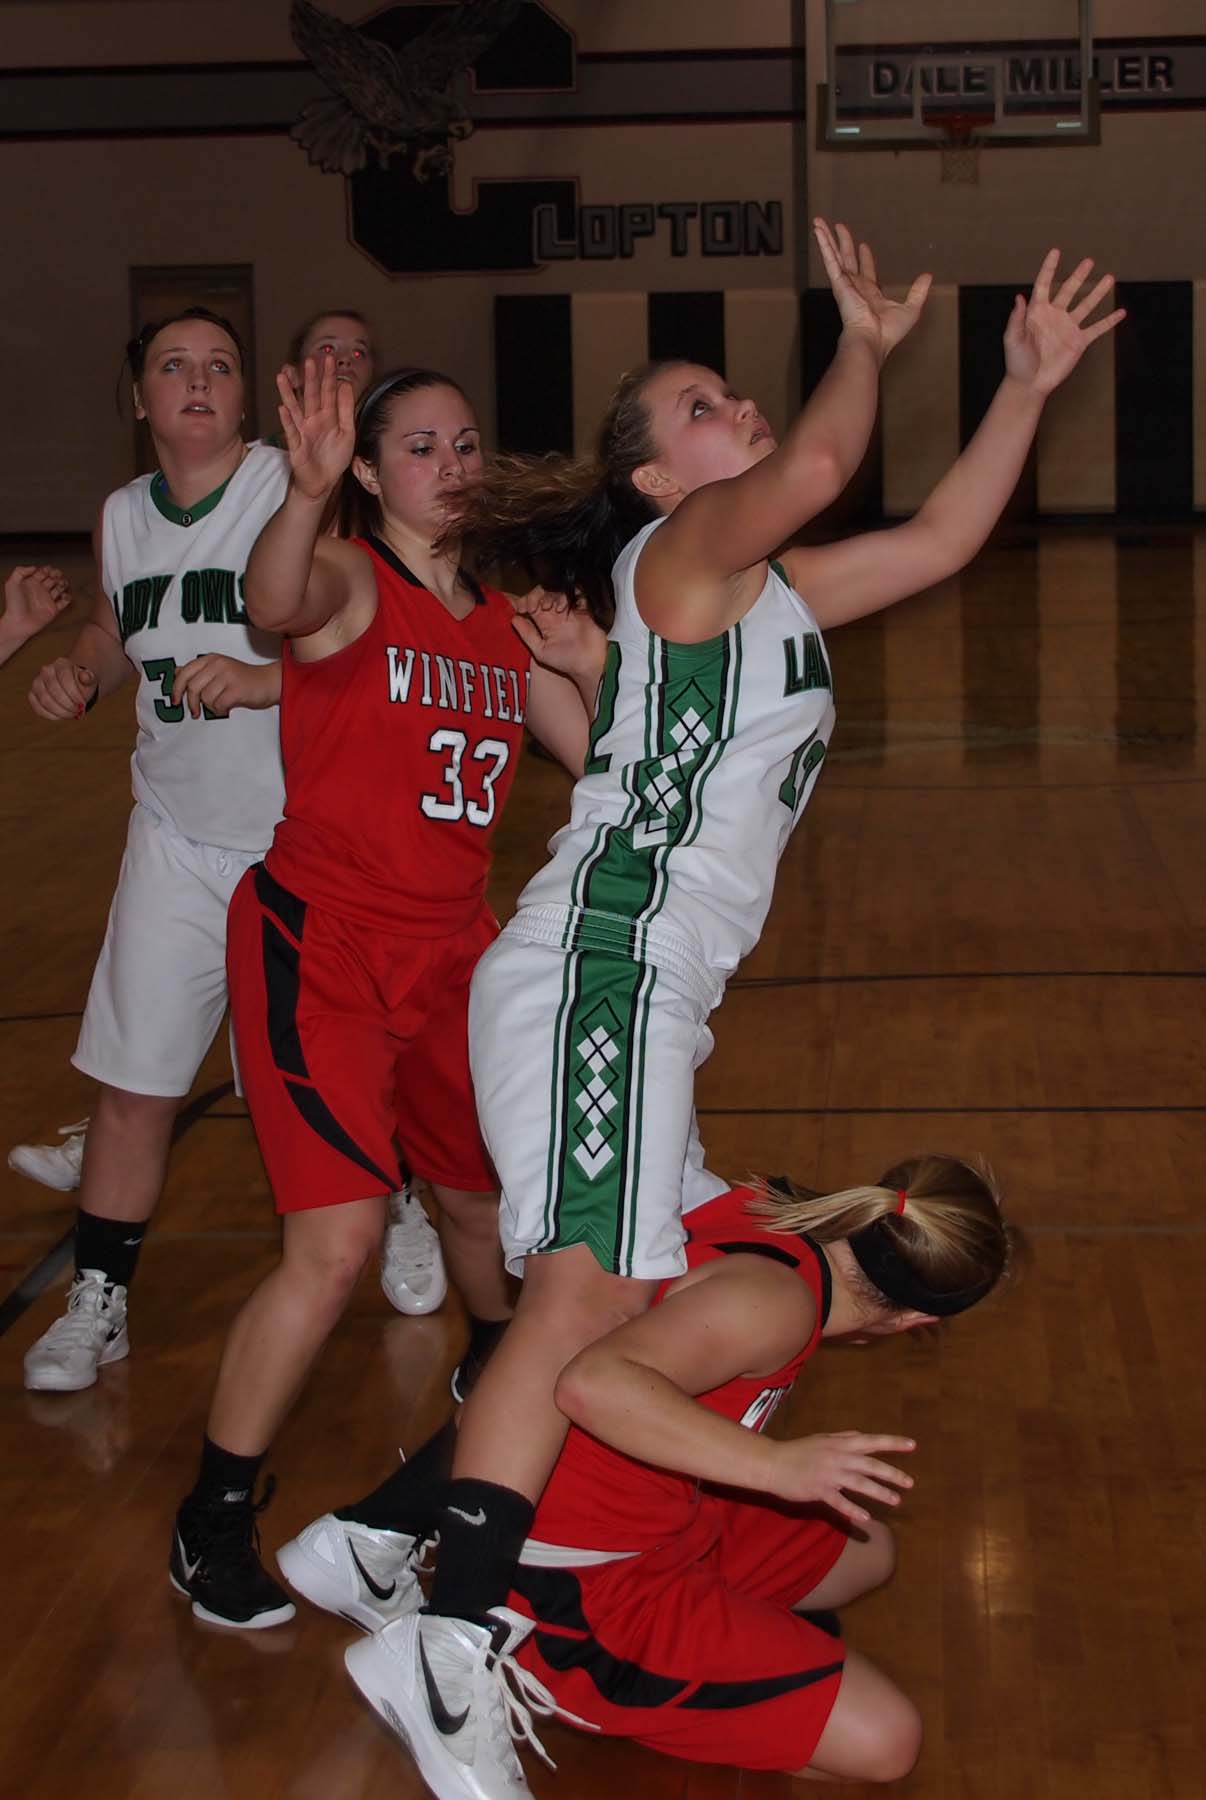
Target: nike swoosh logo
382 1593
189 1568
445 1722
477 1518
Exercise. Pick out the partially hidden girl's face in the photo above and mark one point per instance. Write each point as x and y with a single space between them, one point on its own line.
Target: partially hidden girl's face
430 447
345 339
703 431
191 389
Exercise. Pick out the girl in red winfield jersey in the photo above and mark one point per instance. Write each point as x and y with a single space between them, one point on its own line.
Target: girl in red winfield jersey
678 1583
406 690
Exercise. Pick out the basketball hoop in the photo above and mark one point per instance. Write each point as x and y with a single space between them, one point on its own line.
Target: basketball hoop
960 137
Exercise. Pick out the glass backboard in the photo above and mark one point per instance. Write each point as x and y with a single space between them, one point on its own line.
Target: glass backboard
900 72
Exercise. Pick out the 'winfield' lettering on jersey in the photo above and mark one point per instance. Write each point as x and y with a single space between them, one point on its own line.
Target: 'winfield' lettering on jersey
215 595
456 684
805 664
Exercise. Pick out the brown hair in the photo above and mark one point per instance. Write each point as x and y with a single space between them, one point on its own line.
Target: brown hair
950 1238
564 520
297 342
360 511
138 346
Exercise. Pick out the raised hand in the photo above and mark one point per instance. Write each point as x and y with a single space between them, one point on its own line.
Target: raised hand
861 301
220 683
563 637
826 1469
319 425
62 689
33 596
1047 335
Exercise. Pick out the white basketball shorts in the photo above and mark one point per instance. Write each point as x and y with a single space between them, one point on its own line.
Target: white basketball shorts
584 1072
159 988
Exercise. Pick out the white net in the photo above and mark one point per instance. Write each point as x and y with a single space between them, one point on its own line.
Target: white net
960 156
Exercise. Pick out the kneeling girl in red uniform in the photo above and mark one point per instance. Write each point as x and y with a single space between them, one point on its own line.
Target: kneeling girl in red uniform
406 688
681 1566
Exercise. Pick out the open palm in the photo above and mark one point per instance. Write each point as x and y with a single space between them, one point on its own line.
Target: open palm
1047 335
861 301
319 425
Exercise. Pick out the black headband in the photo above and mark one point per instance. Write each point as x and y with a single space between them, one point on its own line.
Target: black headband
877 1255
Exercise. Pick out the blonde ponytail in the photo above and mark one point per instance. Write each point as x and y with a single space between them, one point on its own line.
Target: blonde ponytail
930 1230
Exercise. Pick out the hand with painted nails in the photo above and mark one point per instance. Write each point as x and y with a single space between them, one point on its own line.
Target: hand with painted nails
62 690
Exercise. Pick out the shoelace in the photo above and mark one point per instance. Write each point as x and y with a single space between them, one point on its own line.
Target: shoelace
524 1694
76 1130
415 1240
84 1307
234 1529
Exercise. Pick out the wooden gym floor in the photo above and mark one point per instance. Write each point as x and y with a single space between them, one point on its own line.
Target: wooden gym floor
990 935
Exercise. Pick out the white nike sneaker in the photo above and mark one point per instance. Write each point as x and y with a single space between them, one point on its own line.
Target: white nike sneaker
356 1571
454 1694
54 1165
90 1334
412 1263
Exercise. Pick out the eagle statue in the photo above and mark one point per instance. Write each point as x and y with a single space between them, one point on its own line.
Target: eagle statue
391 100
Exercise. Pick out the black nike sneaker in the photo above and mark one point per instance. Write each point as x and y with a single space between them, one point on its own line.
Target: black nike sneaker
482 1345
216 1562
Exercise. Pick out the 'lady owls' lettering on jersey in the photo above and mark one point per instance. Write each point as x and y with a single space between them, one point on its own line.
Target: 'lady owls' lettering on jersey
702 759
176 583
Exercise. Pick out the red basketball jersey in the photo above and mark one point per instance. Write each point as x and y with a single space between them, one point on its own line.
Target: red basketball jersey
599 1499
399 753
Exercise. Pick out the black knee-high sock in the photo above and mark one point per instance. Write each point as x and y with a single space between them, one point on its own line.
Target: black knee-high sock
410 1497
482 1529
110 1245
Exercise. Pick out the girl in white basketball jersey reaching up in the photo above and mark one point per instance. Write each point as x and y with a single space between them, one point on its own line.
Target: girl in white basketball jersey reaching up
588 1016
171 550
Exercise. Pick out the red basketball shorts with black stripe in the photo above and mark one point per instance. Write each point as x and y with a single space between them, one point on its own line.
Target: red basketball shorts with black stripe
353 1049
693 1648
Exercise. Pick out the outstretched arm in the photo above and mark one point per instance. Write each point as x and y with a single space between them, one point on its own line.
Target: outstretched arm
1045 339
297 580
635 1389
696 576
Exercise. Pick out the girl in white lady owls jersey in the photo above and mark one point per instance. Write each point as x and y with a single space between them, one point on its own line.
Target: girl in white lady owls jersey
208 790
588 1016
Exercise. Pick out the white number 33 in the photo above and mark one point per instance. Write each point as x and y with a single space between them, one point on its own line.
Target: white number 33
455 804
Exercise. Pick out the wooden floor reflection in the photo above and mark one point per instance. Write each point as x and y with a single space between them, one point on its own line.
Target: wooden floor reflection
990 935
